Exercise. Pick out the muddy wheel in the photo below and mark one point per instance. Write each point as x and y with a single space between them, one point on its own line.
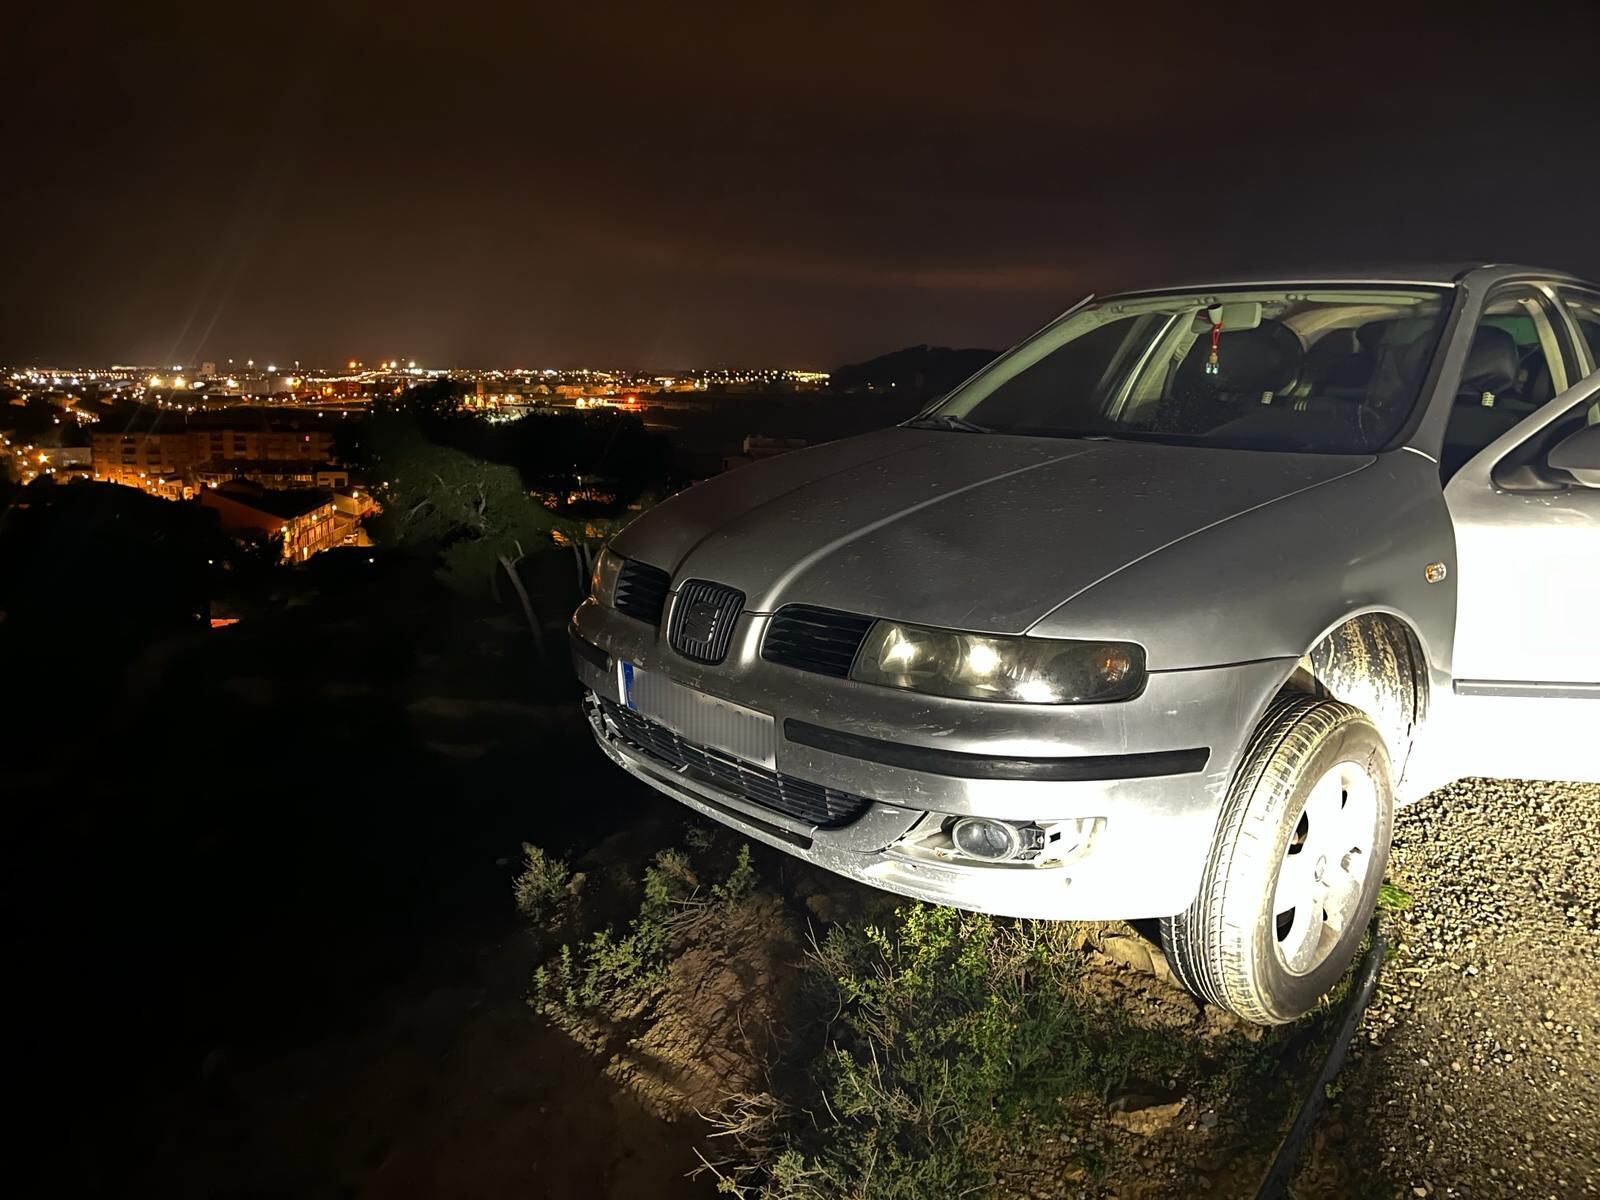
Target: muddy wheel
1294 866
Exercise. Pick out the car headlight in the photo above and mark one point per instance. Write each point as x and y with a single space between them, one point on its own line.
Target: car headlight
1022 670
603 583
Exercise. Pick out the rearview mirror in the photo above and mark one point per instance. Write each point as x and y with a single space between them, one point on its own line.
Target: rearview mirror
1578 454
1237 316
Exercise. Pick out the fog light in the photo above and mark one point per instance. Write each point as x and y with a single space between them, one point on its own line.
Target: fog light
946 837
993 841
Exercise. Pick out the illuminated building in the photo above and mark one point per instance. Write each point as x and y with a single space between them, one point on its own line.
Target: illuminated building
355 503
263 445
305 519
150 459
155 462
342 389
272 473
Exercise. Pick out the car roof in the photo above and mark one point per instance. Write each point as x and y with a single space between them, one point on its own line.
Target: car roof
1428 274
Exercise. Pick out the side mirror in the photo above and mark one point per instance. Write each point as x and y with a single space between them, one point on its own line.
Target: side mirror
1578 454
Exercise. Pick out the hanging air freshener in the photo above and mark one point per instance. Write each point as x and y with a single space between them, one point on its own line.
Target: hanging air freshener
1213 367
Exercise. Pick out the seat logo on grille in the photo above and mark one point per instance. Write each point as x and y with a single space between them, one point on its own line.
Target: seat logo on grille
701 620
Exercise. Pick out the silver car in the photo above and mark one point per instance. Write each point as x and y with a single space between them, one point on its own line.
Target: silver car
1158 616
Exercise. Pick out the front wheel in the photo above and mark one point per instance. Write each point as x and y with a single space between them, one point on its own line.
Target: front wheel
1294 866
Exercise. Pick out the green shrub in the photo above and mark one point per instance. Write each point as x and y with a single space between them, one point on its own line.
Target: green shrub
612 977
542 885
953 1047
958 1036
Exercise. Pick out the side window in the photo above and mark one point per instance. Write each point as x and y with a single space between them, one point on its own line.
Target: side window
1584 309
1517 363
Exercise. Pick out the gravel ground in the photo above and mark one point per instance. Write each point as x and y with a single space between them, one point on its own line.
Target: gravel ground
1477 1070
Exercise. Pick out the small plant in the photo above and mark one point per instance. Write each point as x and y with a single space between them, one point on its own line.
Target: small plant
613 978
1393 898
740 881
542 885
701 839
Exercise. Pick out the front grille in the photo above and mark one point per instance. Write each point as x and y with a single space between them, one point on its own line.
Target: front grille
641 591
822 640
804 801
702 620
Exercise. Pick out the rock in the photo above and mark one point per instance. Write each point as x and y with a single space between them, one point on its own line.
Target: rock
1131 952
1117 942
1151 1119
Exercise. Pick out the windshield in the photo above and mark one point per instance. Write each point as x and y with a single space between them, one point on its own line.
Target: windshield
1331 370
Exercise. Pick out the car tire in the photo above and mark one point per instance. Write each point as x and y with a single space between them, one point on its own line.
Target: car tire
1293 871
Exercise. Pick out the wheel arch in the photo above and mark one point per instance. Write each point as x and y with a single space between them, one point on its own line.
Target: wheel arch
1375 659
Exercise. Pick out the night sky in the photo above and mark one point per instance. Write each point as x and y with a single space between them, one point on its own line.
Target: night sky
795 185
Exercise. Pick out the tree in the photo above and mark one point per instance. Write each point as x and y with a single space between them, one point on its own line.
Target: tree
432 401
475 516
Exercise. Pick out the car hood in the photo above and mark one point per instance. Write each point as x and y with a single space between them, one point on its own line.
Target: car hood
967 531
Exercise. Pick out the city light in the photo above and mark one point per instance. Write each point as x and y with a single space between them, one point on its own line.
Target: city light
123 445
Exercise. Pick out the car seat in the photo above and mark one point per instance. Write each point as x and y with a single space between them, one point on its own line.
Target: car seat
1485 406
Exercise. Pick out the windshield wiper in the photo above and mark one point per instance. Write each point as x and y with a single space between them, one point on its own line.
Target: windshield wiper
947 421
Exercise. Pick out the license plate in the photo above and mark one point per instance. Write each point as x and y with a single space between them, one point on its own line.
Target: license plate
696 717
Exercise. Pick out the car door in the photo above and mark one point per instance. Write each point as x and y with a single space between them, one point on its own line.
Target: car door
1526 663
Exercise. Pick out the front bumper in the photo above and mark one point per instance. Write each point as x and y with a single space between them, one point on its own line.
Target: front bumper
1144 859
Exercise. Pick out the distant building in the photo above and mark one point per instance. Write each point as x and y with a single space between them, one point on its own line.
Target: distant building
269 473
157 462
67 456
340 388
355 503
306 519
197 454
262 444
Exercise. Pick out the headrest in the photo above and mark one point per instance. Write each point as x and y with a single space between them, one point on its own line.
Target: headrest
1335 343
1540 387
1492 362
1371 335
